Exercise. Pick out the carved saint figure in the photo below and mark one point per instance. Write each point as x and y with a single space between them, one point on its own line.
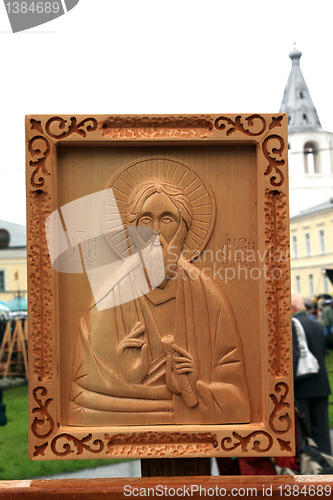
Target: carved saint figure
169 355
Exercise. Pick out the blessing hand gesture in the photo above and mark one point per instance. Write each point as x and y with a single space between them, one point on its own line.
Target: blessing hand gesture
132 355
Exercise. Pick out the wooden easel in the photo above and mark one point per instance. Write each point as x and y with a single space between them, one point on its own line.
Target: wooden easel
25 329
14 345
6 341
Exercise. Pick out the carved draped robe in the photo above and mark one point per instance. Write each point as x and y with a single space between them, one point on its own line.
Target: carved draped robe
195 311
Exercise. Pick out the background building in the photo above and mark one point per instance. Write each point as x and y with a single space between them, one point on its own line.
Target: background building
310 147
13 261
311 187
311 240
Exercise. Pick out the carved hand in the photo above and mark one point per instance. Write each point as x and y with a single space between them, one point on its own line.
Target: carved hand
181 373
183 361
133 356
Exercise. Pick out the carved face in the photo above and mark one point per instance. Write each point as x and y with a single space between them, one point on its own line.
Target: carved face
161 214
159 233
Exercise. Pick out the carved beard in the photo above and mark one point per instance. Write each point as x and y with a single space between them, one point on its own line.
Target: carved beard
153 257
160 258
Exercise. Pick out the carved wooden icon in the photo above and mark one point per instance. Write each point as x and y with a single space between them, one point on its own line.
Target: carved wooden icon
159 286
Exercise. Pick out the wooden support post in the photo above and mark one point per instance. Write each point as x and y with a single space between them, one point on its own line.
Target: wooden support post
5 346
172 467
25 329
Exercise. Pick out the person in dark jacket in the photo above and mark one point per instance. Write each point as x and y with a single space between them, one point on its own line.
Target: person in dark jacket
311 393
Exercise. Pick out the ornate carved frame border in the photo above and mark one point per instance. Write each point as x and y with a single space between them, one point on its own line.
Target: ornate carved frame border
48 438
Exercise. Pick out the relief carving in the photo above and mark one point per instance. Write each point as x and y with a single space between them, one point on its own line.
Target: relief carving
278 288
36 125
160 343
276 122
284 445
160 451
41 293
39 146
273 163
237 252
81 128
43 424
119 127
144 336
80 444
253 121
66 441
155 437
40 450
160 444
280 405
262 445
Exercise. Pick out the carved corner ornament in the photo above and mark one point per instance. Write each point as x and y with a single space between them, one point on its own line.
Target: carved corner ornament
138 347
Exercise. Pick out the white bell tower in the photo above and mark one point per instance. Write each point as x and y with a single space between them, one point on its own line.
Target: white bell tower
310 147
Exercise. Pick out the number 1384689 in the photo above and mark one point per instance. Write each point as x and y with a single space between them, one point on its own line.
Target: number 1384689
33 7
313 490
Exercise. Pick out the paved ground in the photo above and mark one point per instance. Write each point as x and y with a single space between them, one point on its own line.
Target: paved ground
7 383
131 468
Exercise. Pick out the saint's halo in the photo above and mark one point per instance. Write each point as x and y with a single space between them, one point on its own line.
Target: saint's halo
192 183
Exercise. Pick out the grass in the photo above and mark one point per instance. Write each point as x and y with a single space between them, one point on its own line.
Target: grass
14 459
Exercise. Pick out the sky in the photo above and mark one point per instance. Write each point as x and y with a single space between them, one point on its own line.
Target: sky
143 56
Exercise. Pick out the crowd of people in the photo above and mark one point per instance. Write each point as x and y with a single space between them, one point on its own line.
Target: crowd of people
311 392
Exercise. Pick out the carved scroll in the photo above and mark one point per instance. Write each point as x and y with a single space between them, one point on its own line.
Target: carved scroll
255 122
43 424
237 125
81 128
39 146
62 446
279 420
80 445
261 445
278 288
274 165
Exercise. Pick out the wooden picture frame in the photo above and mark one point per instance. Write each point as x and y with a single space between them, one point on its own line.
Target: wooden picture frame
231 170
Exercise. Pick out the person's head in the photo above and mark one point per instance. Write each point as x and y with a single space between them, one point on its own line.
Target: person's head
320 304
153 196
297 303
161 214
